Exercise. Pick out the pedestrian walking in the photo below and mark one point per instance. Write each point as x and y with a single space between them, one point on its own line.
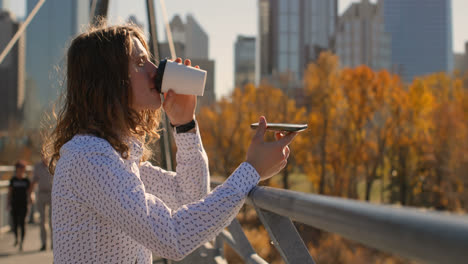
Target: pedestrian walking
19 195
43 180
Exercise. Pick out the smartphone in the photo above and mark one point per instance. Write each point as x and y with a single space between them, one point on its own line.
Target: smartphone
283 127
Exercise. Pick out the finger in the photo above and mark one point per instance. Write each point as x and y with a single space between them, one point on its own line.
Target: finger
278 135
188 62
198 67
286 140
283 164
178 60
261 129
286 152
167 105
168 99
169 93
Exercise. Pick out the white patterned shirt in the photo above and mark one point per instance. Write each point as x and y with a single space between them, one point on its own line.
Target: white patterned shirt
106 209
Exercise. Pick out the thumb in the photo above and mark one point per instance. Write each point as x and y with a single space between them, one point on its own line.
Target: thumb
261 129
168 99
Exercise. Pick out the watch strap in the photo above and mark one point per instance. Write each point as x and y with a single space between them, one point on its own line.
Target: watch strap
185 127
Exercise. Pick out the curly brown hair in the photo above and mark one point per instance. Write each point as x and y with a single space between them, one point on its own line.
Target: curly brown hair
98 93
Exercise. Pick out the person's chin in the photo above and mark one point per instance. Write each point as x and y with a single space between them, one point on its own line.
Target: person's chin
154 106
155 100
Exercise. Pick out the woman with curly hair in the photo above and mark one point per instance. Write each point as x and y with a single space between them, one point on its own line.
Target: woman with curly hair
109 204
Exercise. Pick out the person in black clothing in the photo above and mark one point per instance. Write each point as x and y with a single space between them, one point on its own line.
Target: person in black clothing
18 199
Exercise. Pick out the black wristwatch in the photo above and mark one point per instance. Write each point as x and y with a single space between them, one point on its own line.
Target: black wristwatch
185 127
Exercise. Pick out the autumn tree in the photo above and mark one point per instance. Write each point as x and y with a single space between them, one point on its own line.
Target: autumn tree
445 136
322 89
364 126
226 128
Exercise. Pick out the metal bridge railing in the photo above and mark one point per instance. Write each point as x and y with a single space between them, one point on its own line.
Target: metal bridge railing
417 234
432 237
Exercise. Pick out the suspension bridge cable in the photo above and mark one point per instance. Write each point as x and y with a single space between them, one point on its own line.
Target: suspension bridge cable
168 30
20 30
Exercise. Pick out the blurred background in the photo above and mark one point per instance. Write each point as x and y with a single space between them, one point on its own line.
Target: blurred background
382 84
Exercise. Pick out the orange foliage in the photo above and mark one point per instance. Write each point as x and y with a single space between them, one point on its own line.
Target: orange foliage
225 127
365 127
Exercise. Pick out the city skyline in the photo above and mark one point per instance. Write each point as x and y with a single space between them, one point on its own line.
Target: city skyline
238 18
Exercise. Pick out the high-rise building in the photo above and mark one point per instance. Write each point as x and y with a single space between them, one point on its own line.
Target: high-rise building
361 37
11 73
292 34
5 4
192 35
244 61
320 18
421 36
191 42
461 61
49 35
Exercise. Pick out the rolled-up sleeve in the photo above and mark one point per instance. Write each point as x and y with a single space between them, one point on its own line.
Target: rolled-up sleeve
120 196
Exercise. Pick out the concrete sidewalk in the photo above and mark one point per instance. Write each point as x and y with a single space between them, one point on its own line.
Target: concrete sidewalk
30 254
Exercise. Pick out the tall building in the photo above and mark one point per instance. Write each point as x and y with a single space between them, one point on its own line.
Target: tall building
292 34
11 73
5 4
191 42
421 36
461 61
192 35
49 34
320 18
244 61
361 37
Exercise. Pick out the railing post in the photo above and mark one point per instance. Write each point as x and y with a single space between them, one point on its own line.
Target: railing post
285 237
236 238
219 246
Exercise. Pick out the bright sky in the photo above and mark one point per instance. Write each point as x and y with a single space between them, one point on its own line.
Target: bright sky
224 20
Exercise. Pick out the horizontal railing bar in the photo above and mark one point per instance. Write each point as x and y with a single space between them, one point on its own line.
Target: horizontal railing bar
428 236
10 168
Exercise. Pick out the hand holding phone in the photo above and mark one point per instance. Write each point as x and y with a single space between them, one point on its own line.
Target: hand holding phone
283 127
268 158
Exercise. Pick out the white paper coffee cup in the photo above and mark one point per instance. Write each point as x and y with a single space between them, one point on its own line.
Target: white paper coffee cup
180 78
